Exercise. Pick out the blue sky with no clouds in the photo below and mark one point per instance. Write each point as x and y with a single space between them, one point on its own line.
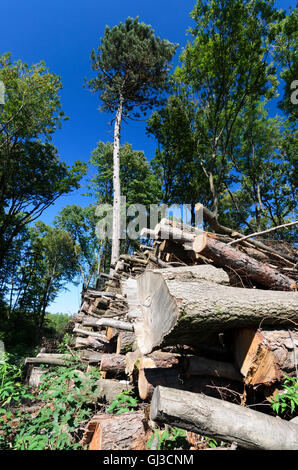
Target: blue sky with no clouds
62 33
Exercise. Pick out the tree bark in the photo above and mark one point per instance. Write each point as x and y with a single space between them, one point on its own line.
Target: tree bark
185 309
222 420
116 185
263 356
226 256
126 341
94 343
114 363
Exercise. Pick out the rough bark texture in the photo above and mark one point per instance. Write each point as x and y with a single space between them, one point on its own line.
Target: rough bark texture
114 363
265 355
222 420
94 343
108 389
177 310
226 256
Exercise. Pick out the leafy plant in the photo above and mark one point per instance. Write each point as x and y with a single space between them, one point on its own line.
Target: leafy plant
286 401
124 403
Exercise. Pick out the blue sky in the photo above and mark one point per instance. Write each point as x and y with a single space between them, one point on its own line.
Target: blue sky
62 33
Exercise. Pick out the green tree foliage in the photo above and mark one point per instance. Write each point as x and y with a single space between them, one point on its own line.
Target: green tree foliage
175 161
224 67
132 67
31 175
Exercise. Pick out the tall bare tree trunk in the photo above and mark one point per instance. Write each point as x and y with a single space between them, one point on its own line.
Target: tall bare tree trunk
116 185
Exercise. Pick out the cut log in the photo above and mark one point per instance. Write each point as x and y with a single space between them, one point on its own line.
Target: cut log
108 389
195 365
209 217
264 355
178 310
226 256
222 420
52 361
115 432
111 333
156 260
94 343
114 363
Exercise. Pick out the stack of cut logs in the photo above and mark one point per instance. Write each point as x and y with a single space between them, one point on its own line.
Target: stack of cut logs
202 325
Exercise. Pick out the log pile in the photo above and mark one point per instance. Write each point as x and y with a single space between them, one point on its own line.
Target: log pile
204 320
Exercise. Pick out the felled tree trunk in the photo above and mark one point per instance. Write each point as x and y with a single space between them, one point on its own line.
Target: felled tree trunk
115 432
265 355
222 420
178 306
126 341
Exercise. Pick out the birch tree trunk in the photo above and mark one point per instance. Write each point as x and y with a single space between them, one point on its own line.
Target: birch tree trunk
116 185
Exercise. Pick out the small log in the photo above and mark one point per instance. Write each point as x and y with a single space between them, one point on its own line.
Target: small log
35 377
265 355
90 356
224 255
195 365
222 420
108 389
162 374
177 308
173 377
156 260
126 341
83 332
114 363
85 307
119 325
115 432
111 333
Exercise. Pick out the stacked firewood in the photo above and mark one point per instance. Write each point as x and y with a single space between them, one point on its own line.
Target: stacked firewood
203 327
